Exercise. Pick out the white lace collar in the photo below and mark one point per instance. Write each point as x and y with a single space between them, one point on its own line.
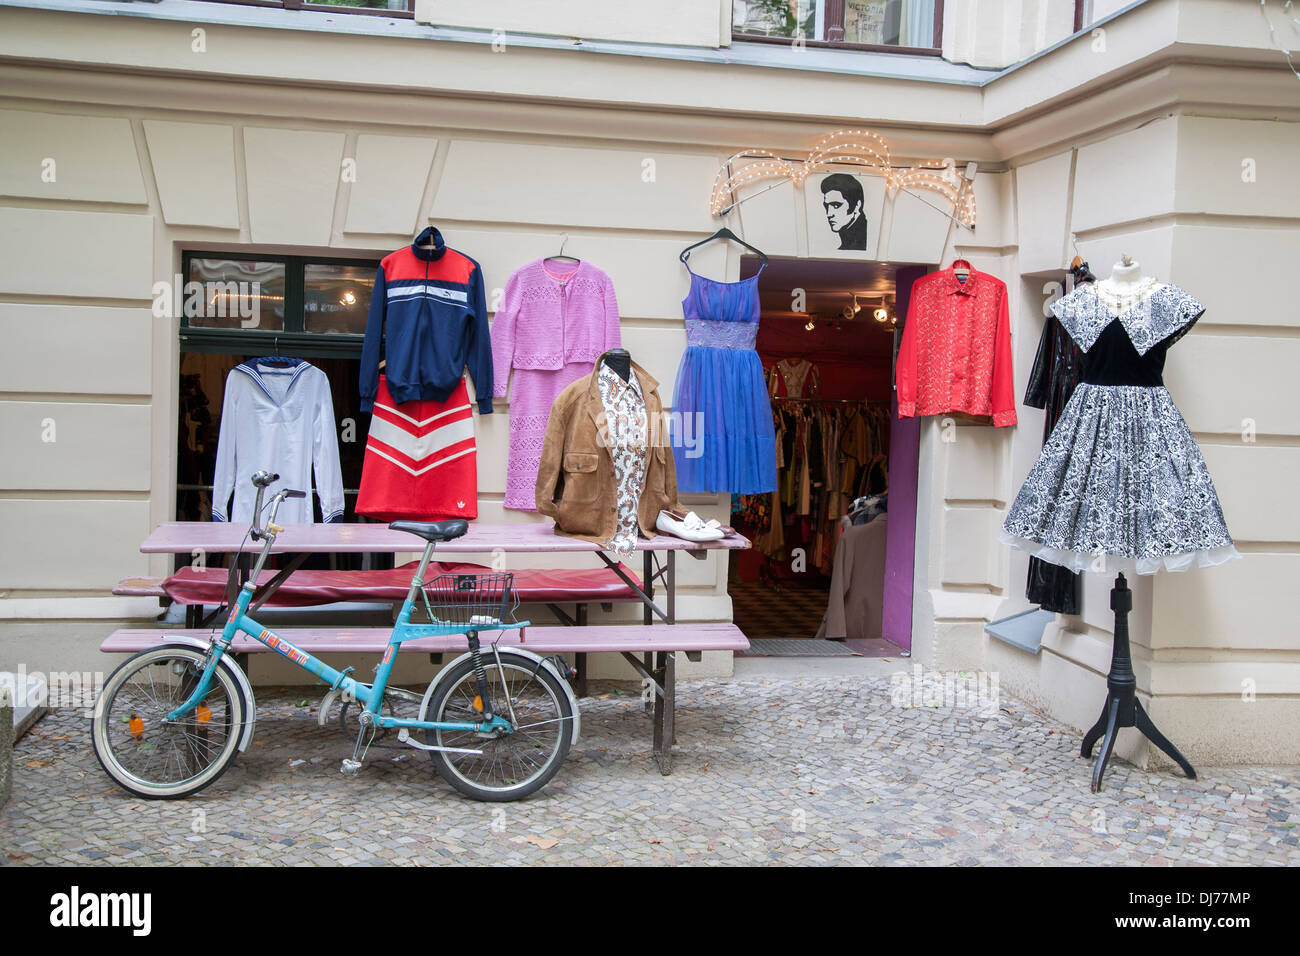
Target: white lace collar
1148 317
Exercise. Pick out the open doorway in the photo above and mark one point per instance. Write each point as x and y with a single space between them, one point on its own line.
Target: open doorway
824 554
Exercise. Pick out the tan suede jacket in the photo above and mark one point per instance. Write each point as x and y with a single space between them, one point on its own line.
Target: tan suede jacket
575 480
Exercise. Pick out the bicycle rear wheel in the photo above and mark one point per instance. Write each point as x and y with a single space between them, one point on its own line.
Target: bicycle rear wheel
520 763
159 760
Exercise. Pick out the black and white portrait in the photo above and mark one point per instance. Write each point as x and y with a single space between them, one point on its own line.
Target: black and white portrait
846 214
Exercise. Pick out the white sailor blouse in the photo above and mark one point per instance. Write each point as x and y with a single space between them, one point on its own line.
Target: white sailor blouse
279 418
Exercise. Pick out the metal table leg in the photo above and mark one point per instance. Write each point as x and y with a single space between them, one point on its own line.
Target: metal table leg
580 663
665 734
647 576
670 588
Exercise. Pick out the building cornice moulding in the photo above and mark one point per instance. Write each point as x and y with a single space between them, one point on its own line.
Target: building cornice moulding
1168 90
1026 111
210 100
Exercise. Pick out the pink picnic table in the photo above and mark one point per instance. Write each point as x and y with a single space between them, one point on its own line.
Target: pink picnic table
657 646
300 540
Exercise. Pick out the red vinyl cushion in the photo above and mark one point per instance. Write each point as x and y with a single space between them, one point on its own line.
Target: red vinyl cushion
307 588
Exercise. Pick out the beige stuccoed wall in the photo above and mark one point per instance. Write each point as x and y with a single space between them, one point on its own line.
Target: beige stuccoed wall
1117 157
628 187
627 204
85 500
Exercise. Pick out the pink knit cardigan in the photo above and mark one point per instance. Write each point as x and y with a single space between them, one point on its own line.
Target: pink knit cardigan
546 322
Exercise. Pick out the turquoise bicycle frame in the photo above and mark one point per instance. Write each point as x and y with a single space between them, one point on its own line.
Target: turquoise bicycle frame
370 695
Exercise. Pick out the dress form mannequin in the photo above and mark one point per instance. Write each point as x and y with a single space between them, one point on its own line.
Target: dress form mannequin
1125 274
1126 286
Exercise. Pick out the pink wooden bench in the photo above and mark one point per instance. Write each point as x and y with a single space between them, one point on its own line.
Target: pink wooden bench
663 641
201 587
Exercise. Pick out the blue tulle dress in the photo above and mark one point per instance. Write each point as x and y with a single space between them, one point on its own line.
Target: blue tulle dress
723 437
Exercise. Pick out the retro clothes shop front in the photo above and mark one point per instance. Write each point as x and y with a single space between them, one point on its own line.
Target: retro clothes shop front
1120 475
187 169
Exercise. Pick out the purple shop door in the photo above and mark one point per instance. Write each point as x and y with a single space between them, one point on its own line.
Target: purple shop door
900 542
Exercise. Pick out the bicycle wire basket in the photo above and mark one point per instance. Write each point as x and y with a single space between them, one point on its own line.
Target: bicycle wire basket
464 602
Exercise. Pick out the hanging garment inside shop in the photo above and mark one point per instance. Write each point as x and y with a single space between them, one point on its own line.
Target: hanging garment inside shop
829 452
555 319
793 378
1058 369
955 355
726 441
857 596
277 415
1121 484
605 474
428 321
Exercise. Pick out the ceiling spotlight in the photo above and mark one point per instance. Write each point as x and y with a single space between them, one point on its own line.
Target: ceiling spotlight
809 327
348 299
881 315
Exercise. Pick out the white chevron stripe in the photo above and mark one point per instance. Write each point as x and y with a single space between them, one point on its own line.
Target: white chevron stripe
432 418
371 449
418 448
410 291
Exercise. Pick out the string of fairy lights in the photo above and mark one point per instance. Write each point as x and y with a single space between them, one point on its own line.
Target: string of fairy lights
847 147
1287 11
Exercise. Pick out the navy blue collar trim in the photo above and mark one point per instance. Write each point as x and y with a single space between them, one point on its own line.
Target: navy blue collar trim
429 255
250 369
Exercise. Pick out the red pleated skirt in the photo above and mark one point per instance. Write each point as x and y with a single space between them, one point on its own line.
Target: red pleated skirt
421 462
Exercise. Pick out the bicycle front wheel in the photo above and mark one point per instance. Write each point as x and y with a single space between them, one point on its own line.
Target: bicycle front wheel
520 763
155 759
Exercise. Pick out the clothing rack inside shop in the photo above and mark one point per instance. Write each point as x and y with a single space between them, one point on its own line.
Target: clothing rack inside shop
833 401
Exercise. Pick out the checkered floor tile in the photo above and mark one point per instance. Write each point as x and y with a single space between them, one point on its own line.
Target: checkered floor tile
793 611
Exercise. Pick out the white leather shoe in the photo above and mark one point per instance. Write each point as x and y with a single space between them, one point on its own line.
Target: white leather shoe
691 527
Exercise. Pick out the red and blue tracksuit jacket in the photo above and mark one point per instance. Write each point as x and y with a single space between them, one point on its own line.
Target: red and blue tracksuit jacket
428 321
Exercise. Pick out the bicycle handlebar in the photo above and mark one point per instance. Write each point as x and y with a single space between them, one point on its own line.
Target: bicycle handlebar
260 480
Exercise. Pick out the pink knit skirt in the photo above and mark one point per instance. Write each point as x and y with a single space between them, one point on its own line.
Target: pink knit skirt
532 393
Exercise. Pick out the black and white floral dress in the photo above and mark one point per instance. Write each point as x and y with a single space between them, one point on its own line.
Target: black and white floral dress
1121 484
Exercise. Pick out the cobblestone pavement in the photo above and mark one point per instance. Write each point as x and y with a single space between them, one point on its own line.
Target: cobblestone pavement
818 770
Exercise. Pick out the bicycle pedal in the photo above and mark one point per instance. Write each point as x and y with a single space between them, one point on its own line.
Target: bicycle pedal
350 767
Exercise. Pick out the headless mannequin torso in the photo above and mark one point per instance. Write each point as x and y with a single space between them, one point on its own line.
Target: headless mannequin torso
1126 286
620 361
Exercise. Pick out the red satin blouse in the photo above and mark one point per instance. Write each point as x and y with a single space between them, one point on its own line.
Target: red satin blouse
956 350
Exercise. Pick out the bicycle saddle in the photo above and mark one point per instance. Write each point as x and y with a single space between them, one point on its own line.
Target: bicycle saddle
433 530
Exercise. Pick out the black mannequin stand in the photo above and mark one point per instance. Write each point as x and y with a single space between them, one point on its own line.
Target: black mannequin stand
1122 708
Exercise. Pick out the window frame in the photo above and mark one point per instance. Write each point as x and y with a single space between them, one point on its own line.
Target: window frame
407 14
837 7
293 338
